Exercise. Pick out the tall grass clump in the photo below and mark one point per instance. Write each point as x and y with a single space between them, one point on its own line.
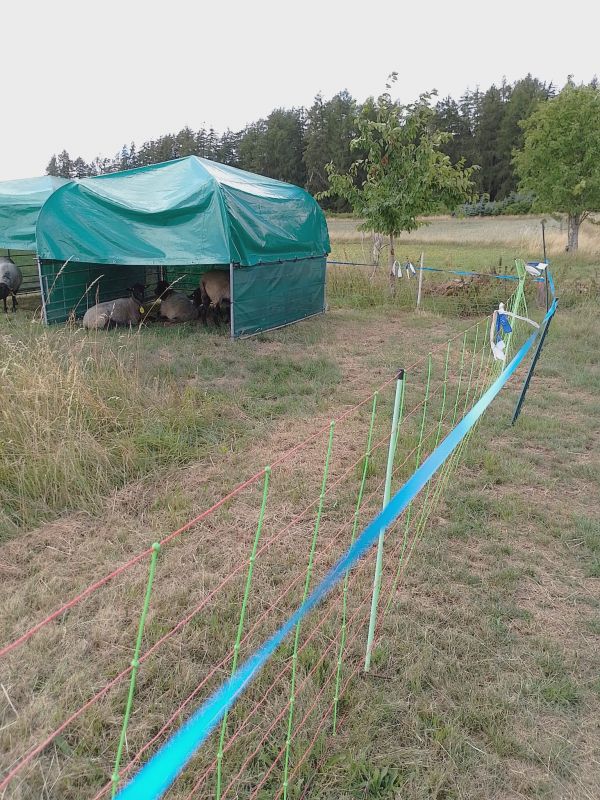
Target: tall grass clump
80 418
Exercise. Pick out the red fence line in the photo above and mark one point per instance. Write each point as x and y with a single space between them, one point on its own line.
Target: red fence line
365 602
276 537
19 766
229 654
136 559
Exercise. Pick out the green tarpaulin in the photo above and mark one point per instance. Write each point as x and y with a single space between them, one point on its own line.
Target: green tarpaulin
185 212
272 295
20 204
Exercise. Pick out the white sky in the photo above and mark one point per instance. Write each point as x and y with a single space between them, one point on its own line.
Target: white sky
89 76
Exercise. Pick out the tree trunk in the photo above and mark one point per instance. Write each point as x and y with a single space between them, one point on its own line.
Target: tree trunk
574 221
393 277
376 252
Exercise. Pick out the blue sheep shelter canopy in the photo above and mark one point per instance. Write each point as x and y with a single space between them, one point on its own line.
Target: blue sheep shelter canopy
182 217
20 204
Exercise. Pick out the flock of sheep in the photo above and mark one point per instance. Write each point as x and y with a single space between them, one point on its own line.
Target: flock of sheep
210 301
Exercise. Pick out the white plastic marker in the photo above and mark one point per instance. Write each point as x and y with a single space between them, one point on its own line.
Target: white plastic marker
500 323
535 268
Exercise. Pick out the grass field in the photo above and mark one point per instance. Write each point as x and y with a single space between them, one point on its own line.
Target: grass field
485 682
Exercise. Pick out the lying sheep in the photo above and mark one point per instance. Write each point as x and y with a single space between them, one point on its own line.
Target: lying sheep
176 306
10 281
216 293
122 311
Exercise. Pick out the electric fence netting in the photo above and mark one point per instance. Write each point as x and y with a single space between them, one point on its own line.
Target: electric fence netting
225 666
436 289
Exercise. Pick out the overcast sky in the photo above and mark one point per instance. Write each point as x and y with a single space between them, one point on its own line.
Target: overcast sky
89 76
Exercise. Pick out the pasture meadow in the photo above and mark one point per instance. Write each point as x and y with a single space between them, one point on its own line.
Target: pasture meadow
484 682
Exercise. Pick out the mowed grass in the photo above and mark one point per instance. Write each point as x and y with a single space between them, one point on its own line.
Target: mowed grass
484 682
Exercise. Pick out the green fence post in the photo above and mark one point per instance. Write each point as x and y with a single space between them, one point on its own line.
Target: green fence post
135 666
288 741
409 509
352 538
240 628
398 398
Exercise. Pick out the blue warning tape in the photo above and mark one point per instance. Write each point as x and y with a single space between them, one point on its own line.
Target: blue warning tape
162 769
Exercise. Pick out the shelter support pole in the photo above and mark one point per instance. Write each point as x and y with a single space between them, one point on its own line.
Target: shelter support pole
386 499
231 303
419 290
42 292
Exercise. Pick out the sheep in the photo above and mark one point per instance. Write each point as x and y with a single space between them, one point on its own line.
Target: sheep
176 306
10 281
216 292
122 311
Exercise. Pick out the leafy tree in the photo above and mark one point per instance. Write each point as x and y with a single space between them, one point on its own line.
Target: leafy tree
284 145
273 146
52 168
228 149
489 121
100 166
560 158
202 147
123 158
524 97
212 142
407 174
470 110
252 148
186 143
329 130
65 165
449 117
80 168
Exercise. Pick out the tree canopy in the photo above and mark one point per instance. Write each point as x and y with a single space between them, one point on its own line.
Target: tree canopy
406 174
295 144
560 158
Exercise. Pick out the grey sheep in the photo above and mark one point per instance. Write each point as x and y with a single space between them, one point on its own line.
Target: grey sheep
10 281
176 306
122 311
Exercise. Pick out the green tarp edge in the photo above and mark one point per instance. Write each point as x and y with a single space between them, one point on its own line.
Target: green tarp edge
269 296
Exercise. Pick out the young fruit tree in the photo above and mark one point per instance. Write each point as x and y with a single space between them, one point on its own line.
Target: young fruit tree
560 159
402 175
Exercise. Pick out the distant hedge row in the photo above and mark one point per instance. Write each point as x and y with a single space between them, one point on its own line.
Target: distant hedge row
515 203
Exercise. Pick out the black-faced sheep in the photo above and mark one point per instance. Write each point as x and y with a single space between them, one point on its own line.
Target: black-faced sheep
10 281
216 293
176 306
122 311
